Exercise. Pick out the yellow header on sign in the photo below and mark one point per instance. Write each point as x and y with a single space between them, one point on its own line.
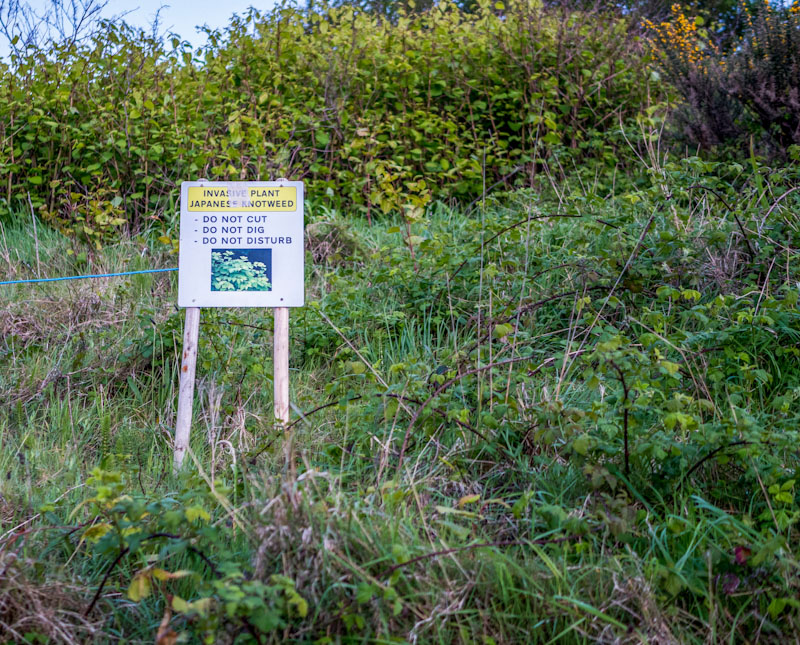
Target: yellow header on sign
271 199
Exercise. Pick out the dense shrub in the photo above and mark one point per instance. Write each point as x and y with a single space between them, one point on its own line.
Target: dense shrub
752 88
359 107
765 73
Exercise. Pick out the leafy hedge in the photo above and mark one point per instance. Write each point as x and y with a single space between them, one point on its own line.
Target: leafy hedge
359 107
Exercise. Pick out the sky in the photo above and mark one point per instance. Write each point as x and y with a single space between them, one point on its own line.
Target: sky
183 16
179 16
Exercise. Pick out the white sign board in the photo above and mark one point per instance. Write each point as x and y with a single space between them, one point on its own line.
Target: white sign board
241 244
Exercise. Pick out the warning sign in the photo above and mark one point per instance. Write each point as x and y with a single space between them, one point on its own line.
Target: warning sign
241 244
249 199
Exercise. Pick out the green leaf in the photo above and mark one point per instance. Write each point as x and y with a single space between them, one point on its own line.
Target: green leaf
197 512
96 531
468 499
357 367
364 592
502 330
163 575
669 367
776 607
447 510
179 604
140 586
581 444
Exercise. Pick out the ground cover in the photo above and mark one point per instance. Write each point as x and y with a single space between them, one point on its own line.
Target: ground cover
562 414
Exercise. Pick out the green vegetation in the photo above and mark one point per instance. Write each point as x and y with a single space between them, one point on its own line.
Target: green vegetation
564 410
741 91
361 108
231 273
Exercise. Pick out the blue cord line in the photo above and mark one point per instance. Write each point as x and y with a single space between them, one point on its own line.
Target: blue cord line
83 277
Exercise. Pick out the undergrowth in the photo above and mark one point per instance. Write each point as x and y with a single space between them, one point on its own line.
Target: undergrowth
566 414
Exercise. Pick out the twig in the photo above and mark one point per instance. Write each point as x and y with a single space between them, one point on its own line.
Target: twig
448 383
544 301
318 408
353 347
522 310
505 230
710 455
234 324
778 201
624 413
493 186
139 472
105 579
400 398
440 412
630 259
125 551
735 216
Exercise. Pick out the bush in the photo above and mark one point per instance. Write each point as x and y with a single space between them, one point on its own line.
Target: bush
751 89
765 73
340 98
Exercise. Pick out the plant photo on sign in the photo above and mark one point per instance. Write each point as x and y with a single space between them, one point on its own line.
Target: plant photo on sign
241 269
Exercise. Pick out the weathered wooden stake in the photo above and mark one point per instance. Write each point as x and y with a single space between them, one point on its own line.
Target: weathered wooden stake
191 332
281 377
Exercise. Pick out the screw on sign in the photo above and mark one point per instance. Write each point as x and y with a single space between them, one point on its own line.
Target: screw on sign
241 245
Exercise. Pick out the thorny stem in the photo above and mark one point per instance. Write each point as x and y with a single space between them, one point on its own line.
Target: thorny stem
624 413
126 549
457 378
732 212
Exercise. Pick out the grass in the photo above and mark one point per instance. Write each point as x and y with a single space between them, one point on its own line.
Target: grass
462 444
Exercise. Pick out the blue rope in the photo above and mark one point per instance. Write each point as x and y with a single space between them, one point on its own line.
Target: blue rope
83 277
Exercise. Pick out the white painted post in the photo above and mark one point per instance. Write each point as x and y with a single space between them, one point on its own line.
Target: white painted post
183 426
281 377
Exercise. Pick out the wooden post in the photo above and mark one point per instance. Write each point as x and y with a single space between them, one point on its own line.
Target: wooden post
281 377
191 332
